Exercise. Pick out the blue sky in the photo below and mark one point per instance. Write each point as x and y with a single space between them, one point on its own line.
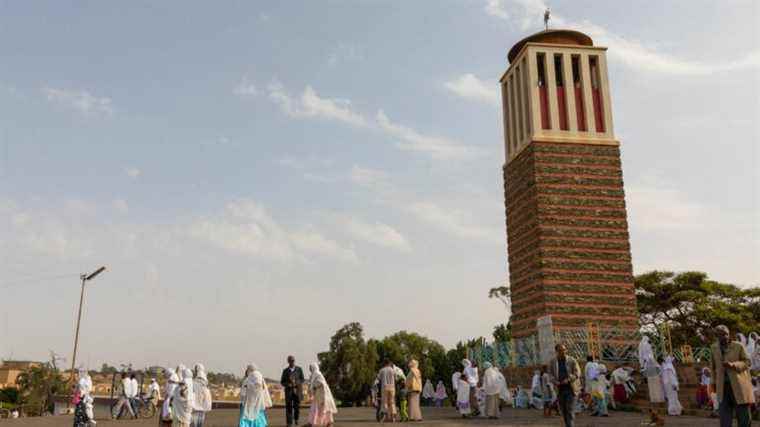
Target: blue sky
257 174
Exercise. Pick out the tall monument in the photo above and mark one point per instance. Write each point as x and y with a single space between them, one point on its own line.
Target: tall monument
567 230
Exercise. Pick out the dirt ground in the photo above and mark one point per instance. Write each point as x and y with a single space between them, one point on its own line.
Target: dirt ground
363 417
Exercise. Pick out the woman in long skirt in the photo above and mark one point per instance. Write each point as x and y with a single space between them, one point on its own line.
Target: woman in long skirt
440 394
413 389
202 394
703 392
654 381
254 399
670 383
428 393
323 406
491 387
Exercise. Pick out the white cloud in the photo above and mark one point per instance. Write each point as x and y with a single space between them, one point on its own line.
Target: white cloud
246 228
311 105
411 140
377 233
367 176
496 8
133 172
81 101
636 54
455 222
245 88
470 87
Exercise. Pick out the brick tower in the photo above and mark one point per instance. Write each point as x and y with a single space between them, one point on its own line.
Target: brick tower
567 232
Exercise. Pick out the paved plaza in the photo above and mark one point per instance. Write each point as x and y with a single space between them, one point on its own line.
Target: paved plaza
365 417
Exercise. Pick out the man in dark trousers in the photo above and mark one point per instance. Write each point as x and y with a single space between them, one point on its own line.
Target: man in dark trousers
292 380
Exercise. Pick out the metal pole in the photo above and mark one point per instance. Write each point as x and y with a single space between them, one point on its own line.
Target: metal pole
76 336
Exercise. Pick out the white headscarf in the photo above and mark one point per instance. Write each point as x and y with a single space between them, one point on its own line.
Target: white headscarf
317 380
440 391
491 379
85 382
254 393
183 406
455 380
428 392
202 394
536 382
669 376
645 351
471 372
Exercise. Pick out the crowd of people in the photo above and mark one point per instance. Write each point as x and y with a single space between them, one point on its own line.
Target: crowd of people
560 387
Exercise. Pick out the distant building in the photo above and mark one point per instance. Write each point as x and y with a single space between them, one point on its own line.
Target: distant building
11 369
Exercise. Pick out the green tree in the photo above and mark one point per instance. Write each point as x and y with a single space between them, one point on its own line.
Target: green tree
502 332
404 346
693 305
10 395
349 365
38 385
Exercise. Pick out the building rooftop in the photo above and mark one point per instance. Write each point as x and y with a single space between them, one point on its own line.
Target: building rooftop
568 37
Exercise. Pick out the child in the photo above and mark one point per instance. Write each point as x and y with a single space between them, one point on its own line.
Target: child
463 396
550 397
703 392
521 398
403 405
599 387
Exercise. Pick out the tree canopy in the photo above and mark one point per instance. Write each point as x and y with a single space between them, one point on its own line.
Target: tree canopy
693 305
348 365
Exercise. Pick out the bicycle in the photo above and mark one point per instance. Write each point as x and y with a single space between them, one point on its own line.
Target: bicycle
142 406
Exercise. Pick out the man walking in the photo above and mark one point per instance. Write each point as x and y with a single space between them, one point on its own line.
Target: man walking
566 374
124 388
292 380
732 379
387 379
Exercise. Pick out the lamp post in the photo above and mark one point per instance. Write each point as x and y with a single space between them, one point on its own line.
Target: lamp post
85 278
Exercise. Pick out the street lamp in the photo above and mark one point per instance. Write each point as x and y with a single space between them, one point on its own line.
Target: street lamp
85 278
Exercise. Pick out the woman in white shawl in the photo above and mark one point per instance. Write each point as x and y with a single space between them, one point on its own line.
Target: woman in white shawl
165 417
654 381
323 406
670 383
182 402
428 393
440 394
645 352
492 388
536 392
254 399
472 378
202 396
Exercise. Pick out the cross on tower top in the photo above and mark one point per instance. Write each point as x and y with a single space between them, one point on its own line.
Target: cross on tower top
547 16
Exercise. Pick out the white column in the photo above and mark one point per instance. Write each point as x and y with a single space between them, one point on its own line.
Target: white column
514 127
604 86
551 85
588 99
567 69
519 104
535 98
505 118
526 99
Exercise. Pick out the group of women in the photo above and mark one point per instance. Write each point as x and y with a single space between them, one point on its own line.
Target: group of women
434 395
255 399
661 376
187 397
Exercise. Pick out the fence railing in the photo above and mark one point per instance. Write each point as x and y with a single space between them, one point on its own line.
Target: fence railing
613 345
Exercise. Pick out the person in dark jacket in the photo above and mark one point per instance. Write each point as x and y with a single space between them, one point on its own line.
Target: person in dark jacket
292 380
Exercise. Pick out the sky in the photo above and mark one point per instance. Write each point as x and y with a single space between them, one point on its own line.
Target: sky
257 174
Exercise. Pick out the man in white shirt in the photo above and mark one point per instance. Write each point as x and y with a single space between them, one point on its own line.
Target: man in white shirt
134 389
124 392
